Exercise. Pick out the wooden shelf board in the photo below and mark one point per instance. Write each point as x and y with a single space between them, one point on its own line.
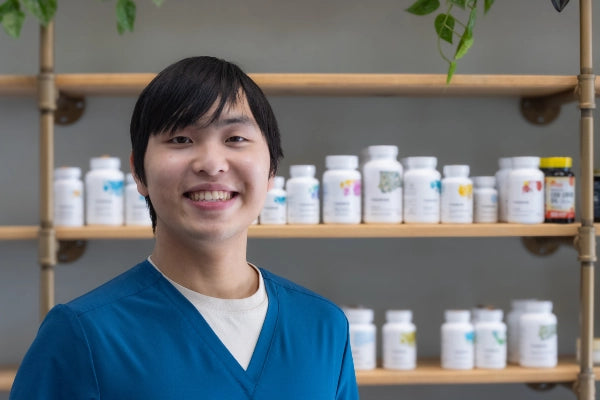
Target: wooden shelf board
429 372
316 84
18 232
7 376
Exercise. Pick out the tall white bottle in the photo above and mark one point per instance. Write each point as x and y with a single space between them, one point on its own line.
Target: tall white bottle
457 195
490 340
512 324
341 190
104 187
538 342
274 211
526 191
302 195
399 340
422 188
458 340
382 186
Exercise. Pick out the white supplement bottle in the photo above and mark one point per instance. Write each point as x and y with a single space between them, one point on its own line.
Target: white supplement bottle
422 188
274 211
104 192
505 164
362 337
512 324
382 188
485 200
457 195
490 340
68 197
526 191
458 339
538 343
399 340
302 195
136 208
341 190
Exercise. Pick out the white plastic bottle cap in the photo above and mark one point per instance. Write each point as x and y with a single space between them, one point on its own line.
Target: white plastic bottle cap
398 316
67 173
130 179
456 170
421 162
359 315
484 181
490 315
297 171
278 182
525 162
382 151
341 162
457 315
505 162
538 307
105 162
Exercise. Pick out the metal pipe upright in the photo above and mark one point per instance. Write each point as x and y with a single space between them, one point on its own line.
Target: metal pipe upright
47 105
586 237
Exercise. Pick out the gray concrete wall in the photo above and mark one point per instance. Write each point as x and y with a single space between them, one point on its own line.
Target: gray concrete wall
425 275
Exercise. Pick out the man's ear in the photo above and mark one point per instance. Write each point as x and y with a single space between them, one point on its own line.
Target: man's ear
271 182
141 188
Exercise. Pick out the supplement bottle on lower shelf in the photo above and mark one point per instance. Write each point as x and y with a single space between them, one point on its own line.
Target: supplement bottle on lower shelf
399 340
485 200
458 340
382 186
538 341
526 191
490 340
559 183
274 211
512 325
68 197
104 187
422 189
341 190
136 208
302 195
457 195
362 337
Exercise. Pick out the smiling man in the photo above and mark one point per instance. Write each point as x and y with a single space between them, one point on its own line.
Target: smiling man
195 320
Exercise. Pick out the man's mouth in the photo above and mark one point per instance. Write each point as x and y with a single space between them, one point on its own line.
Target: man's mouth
210 195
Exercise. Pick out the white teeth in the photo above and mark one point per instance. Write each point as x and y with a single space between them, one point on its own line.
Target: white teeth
214 195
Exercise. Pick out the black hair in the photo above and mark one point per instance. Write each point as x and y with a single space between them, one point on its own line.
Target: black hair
183 93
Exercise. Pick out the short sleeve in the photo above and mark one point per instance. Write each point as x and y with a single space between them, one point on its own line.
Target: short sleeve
347 388
58 365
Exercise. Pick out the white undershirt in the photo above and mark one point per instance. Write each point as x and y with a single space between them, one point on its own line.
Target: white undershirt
236 322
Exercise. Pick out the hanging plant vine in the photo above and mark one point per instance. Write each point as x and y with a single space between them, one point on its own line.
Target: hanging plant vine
450 27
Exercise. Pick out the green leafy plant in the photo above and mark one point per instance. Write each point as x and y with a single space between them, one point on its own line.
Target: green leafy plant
451 29
12 14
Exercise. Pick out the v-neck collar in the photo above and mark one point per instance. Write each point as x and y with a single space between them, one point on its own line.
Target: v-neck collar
250 377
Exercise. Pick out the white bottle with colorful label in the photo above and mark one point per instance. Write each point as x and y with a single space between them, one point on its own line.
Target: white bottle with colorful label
399 340
485 200
526 191
458 340
538 342
274 211
422 189
382 177
68 197
104 186
341 190
136 207
302 195
457 195
490 340
363 335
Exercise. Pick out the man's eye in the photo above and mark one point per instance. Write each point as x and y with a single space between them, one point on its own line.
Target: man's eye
180 140
235 139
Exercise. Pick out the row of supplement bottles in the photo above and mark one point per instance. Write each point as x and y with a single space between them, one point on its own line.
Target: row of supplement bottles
468 340
108 200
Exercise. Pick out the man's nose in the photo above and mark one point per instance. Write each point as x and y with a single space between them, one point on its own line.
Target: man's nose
211 159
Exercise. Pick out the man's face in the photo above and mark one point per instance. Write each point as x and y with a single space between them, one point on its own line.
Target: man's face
208 182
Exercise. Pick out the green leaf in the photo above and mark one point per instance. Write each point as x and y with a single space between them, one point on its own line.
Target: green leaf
471 22
423 7
444 26
460 3
451 70
466 41
12 22
43 10
125 16
487 5
158 2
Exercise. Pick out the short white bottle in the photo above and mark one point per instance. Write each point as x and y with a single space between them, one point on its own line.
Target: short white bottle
341 190
136 207
363 335
399 340
525 191
382 186
485 200
457 195
274 211
512 324
68 197
422 188
490 340
458 339
104 187
505 164
538 342
302 195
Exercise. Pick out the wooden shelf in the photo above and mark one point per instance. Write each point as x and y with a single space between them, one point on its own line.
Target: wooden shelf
429 372
18 232
284 84
7 376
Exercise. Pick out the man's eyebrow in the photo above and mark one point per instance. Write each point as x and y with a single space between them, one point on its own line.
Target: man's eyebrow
235 119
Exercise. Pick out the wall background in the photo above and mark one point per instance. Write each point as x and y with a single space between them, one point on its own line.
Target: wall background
425 275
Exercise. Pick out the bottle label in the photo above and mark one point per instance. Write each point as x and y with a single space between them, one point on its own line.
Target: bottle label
538 344
362 345
383 196
274 210
342 201
485 207
526 201
400 350
303 203
560 197
422 200
457 202
458 349
490 348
